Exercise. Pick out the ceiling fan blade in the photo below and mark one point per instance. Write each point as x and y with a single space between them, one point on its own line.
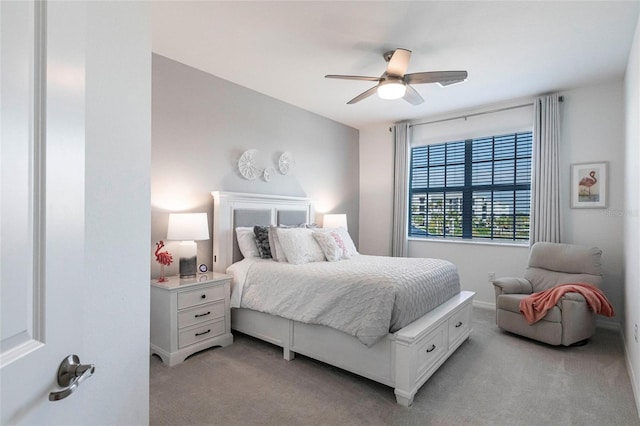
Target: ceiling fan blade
412 96
436 77
363 95
450 83
399 62
352 77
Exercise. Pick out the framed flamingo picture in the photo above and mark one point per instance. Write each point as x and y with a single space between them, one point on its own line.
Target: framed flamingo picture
589 185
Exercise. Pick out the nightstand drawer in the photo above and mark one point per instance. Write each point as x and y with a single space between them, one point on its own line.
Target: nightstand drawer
200 314
202 332
200 296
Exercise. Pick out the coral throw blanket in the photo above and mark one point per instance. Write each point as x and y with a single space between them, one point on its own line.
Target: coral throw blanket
535 306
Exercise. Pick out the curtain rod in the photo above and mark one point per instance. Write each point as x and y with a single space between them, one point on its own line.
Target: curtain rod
561 99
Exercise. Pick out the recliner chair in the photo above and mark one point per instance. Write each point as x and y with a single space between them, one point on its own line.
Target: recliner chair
570 321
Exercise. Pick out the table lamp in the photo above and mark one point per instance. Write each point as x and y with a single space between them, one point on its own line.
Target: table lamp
186 228
334 221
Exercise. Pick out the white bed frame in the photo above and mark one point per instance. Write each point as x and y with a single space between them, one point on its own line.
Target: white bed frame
404 360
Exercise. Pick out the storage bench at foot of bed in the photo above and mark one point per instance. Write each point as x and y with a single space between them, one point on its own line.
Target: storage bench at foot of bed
404 360
425 344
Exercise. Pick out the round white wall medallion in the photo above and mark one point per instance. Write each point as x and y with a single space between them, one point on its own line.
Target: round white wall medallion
267 173
247 164
286 163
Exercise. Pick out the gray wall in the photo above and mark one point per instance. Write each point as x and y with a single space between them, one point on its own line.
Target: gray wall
201 124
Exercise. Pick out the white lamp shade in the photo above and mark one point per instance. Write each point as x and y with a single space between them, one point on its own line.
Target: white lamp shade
334 221
188 227
391 89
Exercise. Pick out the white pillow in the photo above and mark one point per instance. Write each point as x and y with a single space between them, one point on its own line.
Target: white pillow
247 241
332 245
274 242
346 238
299 246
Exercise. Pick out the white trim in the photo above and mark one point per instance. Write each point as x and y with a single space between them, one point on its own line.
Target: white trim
608 324
600 323
484 305
29 335
39 171
476 241
19 351
631 372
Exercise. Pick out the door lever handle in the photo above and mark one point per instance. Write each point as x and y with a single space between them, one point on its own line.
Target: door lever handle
70 374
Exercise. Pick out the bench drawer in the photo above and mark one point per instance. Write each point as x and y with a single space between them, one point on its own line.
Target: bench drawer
431 348
459 323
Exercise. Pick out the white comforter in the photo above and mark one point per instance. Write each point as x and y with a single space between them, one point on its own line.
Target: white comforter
365 296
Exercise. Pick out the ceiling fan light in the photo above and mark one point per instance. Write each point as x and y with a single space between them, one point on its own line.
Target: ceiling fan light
391 89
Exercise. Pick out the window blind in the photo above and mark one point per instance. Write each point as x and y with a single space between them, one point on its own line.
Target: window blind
473 188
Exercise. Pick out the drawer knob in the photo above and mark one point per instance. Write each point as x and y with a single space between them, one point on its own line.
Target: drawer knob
202 315
204 296
432 348
458 324
204 332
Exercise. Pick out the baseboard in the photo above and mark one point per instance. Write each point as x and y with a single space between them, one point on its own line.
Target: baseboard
609 325
484 305
602 323
631 373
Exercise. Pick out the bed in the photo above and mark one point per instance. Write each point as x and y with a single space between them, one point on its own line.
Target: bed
404 358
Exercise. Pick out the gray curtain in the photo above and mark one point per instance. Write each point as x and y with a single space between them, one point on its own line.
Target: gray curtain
545 180
401 189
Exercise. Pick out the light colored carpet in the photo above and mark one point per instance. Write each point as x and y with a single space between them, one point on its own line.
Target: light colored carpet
494 378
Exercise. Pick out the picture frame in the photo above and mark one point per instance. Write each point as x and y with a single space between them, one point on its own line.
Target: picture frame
589 185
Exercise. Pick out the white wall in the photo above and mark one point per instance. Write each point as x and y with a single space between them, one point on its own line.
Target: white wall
117 186
632 214
475 261
201 126
592 130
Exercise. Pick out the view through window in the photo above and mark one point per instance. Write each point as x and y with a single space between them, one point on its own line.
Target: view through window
472 189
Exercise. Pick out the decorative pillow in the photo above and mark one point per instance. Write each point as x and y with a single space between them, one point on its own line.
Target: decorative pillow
247 242
332 245
299 246
340 242
274 243
262 241
346 240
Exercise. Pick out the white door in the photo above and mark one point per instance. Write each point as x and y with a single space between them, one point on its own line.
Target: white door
67 284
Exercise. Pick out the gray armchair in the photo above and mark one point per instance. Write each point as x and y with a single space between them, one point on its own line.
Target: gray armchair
570 321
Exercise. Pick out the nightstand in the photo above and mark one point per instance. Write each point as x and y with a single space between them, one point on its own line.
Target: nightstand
189 315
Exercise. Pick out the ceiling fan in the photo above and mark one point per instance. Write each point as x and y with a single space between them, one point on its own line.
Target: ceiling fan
395 84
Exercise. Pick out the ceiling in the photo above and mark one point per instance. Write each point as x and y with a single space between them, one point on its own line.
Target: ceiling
511 49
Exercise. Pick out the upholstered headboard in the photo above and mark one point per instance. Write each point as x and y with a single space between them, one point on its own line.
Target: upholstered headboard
233 209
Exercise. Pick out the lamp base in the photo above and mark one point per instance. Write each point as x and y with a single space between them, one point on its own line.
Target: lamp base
188 251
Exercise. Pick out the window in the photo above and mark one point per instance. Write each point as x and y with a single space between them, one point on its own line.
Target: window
472 189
